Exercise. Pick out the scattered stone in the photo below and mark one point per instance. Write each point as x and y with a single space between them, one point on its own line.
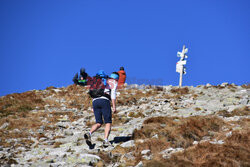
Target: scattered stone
68 132
140 164
147 157
229 134
217 142
145 152
64 118
63 144
167 153
130 143
195 142
89 158
244 101
155 136
4 126
127 157
63 124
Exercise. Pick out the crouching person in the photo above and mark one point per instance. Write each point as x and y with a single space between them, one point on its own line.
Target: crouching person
102 95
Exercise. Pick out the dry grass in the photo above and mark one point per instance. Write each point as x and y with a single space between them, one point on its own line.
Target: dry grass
243 111
234 152
31 121
57 144
118 120
218 87
195 96
115 155
75 96
136 114
19 103
243 123
89 123
180 132
197 109
167 131
246 86
180 91
230 86
15 110
131 96
154 145
105 157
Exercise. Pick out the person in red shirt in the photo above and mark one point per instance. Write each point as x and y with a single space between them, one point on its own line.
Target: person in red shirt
122 78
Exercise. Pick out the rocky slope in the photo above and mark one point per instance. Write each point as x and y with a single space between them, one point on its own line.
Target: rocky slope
155 126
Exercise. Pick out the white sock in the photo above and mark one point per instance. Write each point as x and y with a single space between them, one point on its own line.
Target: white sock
90 133
106 140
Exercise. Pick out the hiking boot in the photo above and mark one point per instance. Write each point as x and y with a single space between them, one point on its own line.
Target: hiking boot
106 144
87 136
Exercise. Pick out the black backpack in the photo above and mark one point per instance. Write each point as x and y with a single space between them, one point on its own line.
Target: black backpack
97 87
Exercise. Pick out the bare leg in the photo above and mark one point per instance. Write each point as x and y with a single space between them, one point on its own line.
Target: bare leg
107 130
95 127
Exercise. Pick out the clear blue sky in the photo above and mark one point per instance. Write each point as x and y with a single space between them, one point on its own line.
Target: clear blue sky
45 42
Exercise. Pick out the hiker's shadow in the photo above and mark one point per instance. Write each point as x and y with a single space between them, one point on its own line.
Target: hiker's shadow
120 139
91 146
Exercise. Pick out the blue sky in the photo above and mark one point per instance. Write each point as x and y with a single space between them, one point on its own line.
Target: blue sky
45 42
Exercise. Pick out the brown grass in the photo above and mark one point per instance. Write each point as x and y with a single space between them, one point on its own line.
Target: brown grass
246 86
180 91
230 86
115 155
105 157
154 145
218 87
180 132
131 96
57 144
195 96
243 123
136 114
118 120
19 103
234 152
171 131
76 97
243 111
197 109
15 110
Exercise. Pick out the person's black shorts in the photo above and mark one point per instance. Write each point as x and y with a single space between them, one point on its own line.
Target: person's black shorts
102 109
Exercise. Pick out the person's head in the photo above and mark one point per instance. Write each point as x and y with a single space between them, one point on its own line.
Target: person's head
101 73
82 70
122 68
114 75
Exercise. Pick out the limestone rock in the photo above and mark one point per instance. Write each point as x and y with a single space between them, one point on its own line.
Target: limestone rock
130 143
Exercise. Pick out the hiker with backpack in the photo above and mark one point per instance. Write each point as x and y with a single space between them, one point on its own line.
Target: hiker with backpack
103 91
82 79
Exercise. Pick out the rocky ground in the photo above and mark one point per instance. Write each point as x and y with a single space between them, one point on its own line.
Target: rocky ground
155 126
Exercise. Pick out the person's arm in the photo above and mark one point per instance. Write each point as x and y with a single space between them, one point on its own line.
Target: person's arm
75 79
113 105
113 95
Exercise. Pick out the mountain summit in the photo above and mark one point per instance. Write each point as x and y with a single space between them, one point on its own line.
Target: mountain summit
155 126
